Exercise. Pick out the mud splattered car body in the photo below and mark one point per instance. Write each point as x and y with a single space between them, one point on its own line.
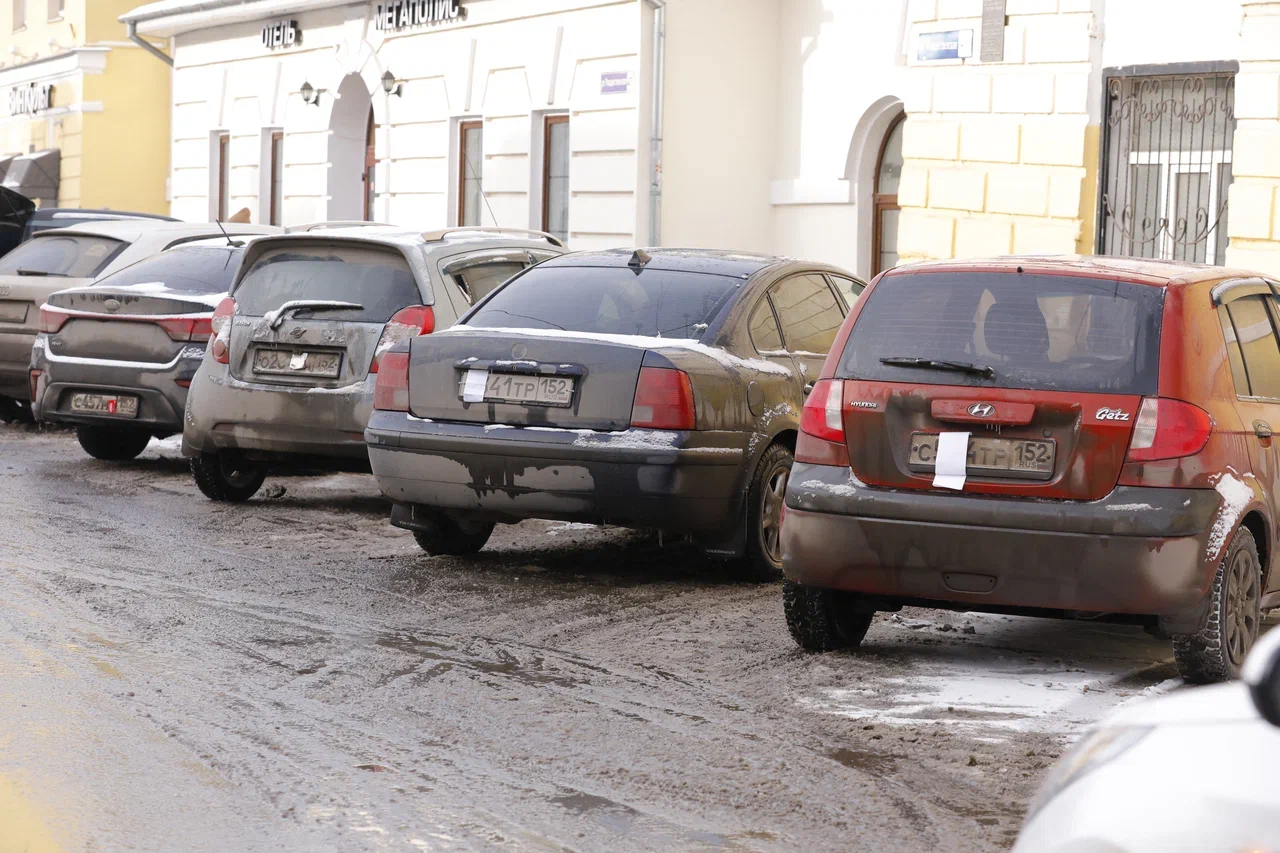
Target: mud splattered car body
1119 459
679 373
288 379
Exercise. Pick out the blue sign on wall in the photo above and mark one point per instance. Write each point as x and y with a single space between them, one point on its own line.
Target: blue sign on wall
953 44
615 82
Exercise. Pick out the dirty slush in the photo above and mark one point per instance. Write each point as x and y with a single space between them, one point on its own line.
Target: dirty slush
295 674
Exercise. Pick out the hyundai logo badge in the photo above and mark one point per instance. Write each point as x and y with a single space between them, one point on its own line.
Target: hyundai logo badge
982 410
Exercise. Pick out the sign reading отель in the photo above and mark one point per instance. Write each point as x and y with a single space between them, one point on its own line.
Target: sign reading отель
280 34
400 14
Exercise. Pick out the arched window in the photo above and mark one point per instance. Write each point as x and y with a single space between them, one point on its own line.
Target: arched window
884 241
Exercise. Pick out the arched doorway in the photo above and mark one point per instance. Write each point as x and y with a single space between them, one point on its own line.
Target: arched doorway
885 209
350 138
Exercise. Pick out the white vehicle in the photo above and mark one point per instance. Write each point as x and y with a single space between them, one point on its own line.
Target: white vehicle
1194 771
61 258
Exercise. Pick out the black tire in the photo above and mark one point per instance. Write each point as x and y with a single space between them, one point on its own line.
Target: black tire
112 444
823 620
445 537
1217 652
14 411
227 477
763 557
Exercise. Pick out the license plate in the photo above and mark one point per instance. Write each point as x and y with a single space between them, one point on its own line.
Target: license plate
115 405
283 362
529 390
1020 458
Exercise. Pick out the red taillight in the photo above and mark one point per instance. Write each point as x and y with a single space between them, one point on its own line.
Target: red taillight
196 329
407 323
1168 429
664 400
220 328
35 384
391 393
52 320
183 383
821 439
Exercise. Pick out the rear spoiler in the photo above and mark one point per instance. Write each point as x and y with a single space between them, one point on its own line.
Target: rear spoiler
437 236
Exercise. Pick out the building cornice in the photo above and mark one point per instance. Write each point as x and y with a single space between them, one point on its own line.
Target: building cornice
78 60
174 17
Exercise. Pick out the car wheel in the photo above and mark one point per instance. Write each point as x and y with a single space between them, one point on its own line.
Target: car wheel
1217 652
14 411
764 513
112 444
445 537
823 620
227 476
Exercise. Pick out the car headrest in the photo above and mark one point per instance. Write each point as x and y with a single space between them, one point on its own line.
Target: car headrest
1016 329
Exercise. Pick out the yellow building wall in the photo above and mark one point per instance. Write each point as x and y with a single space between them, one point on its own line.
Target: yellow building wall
125 160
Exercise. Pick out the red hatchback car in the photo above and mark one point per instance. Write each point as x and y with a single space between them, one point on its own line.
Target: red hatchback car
1066 437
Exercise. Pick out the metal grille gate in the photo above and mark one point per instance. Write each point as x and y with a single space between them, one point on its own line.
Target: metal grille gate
1166 165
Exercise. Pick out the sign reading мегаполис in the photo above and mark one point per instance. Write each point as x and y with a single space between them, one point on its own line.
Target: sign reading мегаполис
400 14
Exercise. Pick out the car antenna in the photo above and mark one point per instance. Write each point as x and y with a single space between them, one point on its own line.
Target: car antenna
230 242
638 260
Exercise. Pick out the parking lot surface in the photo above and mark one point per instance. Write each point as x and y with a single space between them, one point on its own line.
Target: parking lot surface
294 674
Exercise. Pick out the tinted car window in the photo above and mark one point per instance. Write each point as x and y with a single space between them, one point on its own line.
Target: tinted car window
1258 345
71 255
479 281
378 280
608 300
849 288
1061 333
809 313
203 270
764 328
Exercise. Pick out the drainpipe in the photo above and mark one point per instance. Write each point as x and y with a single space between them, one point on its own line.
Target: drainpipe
655 151
132 29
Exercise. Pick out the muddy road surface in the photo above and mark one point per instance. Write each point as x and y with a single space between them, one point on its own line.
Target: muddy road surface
294 674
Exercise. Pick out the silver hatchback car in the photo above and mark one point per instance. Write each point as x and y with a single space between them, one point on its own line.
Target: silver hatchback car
287 382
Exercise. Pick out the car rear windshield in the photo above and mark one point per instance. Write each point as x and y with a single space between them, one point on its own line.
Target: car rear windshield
1059 333
202 270
69 255
378 280
608 300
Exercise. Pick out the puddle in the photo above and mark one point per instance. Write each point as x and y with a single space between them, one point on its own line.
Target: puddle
21 827
649 831
869 762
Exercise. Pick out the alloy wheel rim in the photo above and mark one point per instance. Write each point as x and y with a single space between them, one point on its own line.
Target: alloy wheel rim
775 490
1242 607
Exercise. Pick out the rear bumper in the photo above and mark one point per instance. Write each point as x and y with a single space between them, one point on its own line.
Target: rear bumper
686 481
1137 551
15 363
275 421
160 398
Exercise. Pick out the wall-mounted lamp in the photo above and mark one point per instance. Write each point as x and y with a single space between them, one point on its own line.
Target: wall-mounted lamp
310 94
391 85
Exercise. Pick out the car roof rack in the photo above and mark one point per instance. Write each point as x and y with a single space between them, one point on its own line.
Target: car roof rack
435 236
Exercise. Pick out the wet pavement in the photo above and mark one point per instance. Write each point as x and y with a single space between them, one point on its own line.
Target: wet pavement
294 674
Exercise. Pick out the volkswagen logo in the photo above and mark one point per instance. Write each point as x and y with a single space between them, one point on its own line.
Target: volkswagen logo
519 351
112 305
982 410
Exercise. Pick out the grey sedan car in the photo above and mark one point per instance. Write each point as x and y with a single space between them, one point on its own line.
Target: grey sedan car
657 388
116 358
288 379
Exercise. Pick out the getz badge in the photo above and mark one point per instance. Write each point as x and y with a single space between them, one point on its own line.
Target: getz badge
1105 414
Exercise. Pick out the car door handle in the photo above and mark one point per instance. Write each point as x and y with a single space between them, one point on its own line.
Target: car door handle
1262 429
808 386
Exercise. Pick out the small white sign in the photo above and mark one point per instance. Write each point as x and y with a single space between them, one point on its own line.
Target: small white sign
952 463
473 388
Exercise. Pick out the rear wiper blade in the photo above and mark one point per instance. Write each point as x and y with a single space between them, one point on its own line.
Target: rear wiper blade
275 319
937 364
23 271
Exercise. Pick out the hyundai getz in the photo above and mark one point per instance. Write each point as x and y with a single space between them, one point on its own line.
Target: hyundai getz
1069 437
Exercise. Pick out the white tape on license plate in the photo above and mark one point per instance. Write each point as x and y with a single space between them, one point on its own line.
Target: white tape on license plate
473 388
298 361
953 457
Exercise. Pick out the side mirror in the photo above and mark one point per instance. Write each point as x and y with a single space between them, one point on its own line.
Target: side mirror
1262 674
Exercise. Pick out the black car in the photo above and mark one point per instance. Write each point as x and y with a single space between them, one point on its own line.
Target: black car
656 388
20 218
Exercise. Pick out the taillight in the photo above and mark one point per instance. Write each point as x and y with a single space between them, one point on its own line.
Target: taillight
52 320
821 439
407 323
391 393
196 329
220 328
1168 429
664 400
